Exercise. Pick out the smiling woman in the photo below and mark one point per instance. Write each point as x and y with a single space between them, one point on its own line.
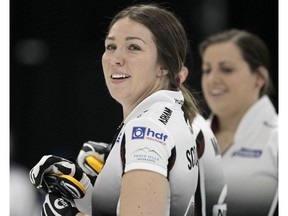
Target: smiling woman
146 172
141 79
132 56
236 84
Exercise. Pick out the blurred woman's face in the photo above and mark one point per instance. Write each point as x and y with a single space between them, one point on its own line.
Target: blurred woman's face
228 84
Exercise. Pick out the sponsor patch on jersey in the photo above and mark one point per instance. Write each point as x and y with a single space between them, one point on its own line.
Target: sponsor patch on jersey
146 154
148 133
247 153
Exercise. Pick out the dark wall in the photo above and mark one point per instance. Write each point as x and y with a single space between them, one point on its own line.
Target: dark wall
58 98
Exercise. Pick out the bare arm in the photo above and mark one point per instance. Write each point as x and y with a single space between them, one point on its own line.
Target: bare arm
143 193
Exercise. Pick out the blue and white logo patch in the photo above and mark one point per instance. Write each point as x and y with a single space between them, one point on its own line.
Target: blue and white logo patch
247 153
138 132
148 133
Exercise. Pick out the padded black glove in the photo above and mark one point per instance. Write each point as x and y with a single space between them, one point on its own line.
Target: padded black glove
56 174
55 205
92 157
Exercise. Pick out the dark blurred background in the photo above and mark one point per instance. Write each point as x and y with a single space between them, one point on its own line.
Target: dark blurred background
58 98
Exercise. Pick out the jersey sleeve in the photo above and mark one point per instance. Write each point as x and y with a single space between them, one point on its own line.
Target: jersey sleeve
148 146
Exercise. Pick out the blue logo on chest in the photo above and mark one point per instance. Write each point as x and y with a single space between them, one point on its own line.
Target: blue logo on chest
247 153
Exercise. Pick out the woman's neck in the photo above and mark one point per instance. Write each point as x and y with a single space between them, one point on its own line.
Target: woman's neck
228 125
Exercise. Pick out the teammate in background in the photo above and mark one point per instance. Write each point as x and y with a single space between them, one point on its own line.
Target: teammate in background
236 83
152 168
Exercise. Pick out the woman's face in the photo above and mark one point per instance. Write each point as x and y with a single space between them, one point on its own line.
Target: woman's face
130 63
228 84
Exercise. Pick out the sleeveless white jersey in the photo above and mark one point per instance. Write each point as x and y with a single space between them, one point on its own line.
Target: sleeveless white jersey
155 137
251 162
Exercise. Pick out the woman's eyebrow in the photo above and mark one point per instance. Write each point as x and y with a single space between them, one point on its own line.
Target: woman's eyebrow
135 38
127 38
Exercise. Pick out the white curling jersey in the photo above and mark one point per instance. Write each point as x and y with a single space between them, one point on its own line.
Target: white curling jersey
251 162
156 137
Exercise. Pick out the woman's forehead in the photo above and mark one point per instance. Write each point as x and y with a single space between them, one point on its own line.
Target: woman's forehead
128 26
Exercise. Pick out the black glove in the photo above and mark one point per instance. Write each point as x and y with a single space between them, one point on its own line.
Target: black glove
55 205
92 157
56 174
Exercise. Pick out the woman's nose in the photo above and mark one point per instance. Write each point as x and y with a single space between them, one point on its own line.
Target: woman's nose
117 59
213 77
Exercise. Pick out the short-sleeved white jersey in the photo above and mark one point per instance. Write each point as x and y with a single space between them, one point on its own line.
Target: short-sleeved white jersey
156 137
251 162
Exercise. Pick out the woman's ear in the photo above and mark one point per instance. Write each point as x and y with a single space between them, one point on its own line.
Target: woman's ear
183 74
162 72
262 76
